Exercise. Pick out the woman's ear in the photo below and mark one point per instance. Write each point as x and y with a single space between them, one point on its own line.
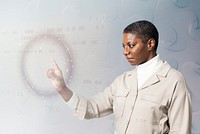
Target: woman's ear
151 44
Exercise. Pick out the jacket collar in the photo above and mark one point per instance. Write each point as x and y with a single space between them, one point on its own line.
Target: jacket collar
155 78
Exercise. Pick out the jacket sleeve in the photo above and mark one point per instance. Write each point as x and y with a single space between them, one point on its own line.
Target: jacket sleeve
98 106
180 111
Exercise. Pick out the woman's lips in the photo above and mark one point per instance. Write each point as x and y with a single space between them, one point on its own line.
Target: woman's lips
130 59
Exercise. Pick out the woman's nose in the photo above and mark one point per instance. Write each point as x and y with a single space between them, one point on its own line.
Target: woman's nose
126 50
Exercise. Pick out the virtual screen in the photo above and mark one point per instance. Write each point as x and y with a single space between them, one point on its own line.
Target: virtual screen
85 40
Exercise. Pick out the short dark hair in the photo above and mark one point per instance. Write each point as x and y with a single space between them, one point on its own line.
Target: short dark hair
144 29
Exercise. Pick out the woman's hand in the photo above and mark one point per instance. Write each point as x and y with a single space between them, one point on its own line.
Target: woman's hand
56 76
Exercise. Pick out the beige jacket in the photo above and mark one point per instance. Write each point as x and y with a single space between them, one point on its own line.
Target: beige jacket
162 106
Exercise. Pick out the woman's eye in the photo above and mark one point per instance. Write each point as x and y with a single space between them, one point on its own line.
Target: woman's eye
131 45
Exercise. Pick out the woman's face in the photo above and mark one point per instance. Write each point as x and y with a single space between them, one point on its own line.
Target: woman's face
135 50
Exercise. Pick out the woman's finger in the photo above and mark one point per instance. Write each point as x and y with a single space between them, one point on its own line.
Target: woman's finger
50 73
55 64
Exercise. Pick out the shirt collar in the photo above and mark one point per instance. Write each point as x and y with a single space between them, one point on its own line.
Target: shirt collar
149 65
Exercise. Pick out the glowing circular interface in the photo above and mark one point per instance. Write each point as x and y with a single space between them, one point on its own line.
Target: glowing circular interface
36 60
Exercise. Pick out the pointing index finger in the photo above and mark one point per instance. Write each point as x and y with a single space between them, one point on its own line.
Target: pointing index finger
55 64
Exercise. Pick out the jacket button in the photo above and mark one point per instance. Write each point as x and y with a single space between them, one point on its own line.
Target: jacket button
127 122
132 107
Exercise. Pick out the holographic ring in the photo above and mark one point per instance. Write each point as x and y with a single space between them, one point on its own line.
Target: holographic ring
67 73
